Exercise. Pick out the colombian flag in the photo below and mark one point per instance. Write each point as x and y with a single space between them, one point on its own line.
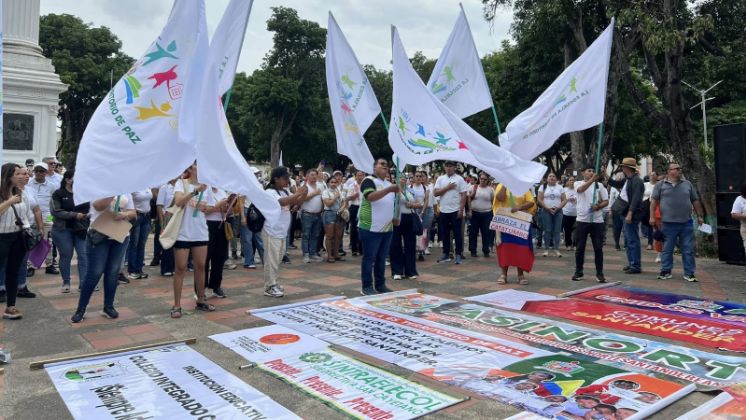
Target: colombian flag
515 252
566 388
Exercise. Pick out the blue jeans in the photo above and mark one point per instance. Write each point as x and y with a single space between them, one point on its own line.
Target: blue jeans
311 224
103 258
684 232
632 242
250 241
138 239
552 226
68 241
375 249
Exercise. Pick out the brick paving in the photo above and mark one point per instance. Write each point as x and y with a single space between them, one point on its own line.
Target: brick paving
46 332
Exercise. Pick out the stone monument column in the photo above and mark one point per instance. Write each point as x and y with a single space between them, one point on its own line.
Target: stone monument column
31 88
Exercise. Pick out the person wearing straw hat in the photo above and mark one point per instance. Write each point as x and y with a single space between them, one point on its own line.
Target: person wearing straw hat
629 204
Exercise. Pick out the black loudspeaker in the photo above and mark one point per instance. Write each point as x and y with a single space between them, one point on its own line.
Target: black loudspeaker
730 246
730 157
724 204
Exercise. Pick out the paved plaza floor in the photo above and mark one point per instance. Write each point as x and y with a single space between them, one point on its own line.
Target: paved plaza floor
46 332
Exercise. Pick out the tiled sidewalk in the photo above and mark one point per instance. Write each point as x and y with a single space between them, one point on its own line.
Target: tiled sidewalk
46 332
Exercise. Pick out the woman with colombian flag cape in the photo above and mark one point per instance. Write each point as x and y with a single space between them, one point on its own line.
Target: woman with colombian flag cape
513 251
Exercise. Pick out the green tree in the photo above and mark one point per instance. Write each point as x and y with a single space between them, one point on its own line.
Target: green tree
87 59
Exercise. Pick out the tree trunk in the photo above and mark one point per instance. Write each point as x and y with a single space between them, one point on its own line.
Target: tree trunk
278 135
577 141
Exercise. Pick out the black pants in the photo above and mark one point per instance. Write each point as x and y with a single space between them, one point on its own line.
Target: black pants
157 248
403 258
480 225
447 223
11 255
217 251
568 227
355 245
596 230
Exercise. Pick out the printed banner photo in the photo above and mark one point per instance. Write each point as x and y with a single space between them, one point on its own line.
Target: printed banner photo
708 371
268 343
511 372
166 382
678 327
357 389
731 313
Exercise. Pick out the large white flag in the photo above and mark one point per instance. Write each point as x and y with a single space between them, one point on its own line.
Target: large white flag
423 129
574 101
220 163
132 141
458 78
351 98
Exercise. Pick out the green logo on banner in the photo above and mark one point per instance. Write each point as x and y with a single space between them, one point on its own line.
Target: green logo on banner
315 357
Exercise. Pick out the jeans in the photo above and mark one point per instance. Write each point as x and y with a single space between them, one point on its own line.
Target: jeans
648 231
68 241
617 222
582 229
250 241
311 224
355 245
373 265
632 242
684 232
403 258
217 253
104 258
480 225
552 225
568 226
448 222
138 239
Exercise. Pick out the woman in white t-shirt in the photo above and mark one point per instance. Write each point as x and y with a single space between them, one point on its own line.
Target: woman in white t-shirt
193 236
569 213
333 224
480 199
423 193
13 207
739 211
552 200
274 233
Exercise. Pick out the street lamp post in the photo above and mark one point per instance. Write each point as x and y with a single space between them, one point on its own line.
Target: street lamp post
703 104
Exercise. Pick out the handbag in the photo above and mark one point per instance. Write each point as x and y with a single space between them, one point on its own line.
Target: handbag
173 225
30 237
228 231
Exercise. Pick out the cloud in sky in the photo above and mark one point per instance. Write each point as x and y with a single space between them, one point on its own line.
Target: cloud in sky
424 25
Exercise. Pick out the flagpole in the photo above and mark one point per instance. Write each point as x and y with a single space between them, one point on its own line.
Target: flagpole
497 123
598 157
398 172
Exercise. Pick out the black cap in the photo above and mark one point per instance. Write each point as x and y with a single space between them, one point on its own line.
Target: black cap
29 162
449 163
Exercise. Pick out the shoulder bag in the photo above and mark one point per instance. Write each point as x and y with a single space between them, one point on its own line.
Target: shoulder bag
173 225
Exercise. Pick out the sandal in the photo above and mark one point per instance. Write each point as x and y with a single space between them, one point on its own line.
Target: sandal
502 279
205 307
522 280
176 312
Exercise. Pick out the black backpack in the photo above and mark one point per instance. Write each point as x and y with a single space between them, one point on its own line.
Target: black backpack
254 219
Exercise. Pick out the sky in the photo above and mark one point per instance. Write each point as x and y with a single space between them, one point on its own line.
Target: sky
424 25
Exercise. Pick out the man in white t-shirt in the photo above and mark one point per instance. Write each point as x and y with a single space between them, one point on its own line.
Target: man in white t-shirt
311 217
591 199
739 212
43 187
451 190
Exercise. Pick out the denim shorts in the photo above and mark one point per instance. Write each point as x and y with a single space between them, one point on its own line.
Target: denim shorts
189 244
329 217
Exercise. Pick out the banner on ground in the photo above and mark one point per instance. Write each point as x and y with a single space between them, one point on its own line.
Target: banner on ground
458 77
161 383
423 129
730 404
574 101
268 343
677 327
357 389
351 98
516 224
716 311
529 378
133 141
509 298
706 370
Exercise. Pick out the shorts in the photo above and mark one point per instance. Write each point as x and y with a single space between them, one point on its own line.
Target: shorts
189 244
329 217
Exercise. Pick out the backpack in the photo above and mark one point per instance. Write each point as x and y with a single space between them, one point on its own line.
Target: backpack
254 219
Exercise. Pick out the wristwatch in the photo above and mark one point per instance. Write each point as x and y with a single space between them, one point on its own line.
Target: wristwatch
195 193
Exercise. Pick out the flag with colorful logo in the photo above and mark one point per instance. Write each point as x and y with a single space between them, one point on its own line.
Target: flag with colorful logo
353 103
423 130
458 77
217 153
574 101
132 141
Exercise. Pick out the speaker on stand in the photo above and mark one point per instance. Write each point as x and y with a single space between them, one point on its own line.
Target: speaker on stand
730 172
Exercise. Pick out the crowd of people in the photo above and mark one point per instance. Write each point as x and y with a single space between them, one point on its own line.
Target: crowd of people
393 220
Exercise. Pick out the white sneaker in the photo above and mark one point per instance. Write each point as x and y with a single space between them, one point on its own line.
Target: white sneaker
397 276
306 259
316 258
412 277
427 251
658 258
273 291
557 254
545 254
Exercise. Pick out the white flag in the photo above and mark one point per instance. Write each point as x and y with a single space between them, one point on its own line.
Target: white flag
280 162
132 141
220 163
351 98
458 77
230 34
574 101
423 129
